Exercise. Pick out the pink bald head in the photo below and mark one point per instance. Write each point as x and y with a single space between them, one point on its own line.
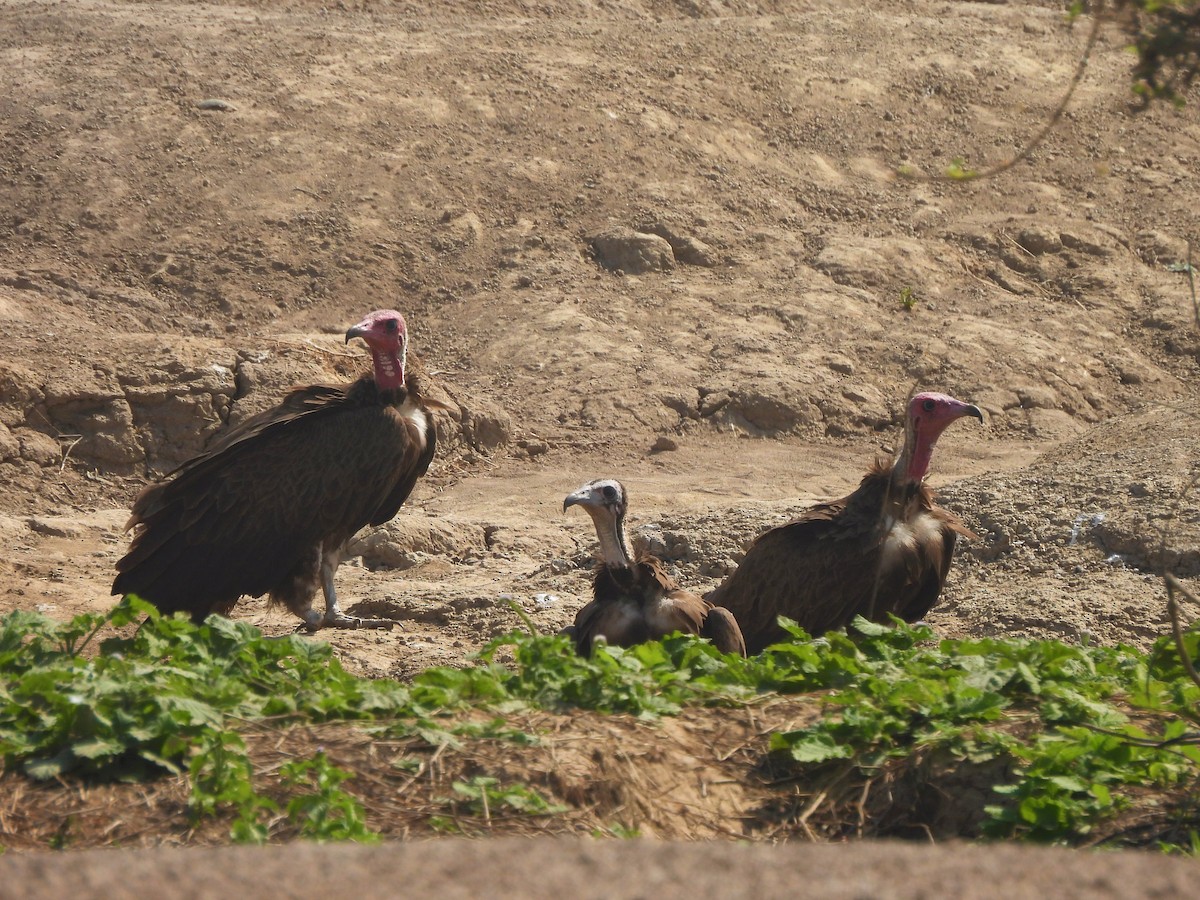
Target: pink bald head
928 415
386 335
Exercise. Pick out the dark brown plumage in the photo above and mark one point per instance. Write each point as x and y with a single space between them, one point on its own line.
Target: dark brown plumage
634 599
270 506
885 548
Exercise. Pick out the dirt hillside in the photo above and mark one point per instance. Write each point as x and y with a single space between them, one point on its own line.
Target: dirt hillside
613 227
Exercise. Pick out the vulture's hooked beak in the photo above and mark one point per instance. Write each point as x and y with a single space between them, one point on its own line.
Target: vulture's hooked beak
358 330
583 496
975 411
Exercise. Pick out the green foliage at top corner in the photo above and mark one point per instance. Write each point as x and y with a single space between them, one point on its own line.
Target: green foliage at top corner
1166 39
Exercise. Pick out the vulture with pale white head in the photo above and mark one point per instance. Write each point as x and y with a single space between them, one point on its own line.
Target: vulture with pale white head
270 506
885 548
634 599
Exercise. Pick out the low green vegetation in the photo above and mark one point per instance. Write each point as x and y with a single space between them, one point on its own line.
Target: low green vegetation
484 797
1065 738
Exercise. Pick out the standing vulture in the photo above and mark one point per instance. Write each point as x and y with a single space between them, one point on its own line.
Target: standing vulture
634 599
270 506
885 548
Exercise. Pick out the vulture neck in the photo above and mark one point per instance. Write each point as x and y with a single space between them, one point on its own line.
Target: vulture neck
389 368
914 460
614 548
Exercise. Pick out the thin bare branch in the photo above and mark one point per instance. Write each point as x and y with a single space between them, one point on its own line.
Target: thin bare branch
1040 136
1173 585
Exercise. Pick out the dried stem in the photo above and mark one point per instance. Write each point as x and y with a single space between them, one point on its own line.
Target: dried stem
1191 277
1173 585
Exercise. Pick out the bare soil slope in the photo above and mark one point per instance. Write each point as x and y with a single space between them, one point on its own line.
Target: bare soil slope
171 264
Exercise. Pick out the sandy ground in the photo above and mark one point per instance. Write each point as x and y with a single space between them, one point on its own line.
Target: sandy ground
661 241
515 867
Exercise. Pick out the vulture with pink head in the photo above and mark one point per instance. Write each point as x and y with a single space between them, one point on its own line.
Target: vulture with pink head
270 506
633 598
885 548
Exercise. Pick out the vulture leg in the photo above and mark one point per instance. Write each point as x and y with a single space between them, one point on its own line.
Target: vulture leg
334 617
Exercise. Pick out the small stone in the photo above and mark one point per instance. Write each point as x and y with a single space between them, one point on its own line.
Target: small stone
39 448
55 527
10 447
1084 245
632 252
1161 247
687 249
215 103
1039 241
663 444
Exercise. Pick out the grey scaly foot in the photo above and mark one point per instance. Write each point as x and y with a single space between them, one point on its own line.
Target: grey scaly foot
317 622
334 617
341 620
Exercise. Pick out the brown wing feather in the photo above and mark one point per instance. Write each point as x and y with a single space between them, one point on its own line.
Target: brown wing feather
612 614
408 480
240 517
644 603
936 553
722 629
828 565
781 574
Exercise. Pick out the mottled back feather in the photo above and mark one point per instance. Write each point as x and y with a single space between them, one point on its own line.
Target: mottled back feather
842 559
253 512
644 603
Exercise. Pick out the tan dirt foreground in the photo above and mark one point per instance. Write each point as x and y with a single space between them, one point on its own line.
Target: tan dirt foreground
583 868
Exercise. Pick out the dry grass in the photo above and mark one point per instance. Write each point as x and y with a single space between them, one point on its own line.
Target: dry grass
705 774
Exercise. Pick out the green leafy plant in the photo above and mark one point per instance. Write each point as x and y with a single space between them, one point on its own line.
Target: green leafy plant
958 170
326 813
1166 38
1067 734
222 776
485 797
1056 717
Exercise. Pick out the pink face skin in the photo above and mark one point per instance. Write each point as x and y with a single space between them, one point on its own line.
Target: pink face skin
928 415
387 337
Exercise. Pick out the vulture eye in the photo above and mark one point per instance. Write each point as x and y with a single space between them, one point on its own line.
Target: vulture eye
610 492
391 324
929 405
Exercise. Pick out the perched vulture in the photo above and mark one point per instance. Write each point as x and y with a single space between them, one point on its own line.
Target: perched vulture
269 507
885 548
634 599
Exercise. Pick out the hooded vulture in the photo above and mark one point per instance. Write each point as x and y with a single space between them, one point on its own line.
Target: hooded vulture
885 548
634 599
270 506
